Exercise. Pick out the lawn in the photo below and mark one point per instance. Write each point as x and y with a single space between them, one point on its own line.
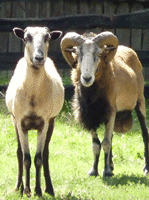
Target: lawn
71 158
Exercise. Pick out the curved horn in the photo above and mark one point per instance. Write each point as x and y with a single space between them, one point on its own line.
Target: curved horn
106 38
70 40
109 40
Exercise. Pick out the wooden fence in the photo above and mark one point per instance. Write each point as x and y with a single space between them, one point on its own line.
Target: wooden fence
137 39
118 16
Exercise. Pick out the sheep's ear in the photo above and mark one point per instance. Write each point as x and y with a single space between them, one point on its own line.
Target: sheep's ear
19 32
108 49
71 50
55 34
109 52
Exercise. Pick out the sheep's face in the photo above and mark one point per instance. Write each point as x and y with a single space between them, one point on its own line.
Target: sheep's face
36 41
36 45
92 52
88 60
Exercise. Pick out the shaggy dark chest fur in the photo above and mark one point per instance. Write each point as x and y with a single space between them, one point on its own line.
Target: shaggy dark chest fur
93 106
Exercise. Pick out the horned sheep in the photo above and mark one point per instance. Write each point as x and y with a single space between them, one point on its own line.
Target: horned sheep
109 84
34 97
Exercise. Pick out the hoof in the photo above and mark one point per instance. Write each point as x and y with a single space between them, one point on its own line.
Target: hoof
93 172
107 173
112 167
27 191
146 171
38 192
19 188
50 191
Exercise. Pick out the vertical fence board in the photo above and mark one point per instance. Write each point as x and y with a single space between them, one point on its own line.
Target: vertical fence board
3 41
84 7
136 34
109 10
18 11
5 12
145 42
96 8
70 7
57 8
5 9
48 6
56 11
145 45
32 9
44 9
123 34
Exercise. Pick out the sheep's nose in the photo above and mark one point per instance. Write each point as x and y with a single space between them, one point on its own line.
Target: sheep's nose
39 58
87 79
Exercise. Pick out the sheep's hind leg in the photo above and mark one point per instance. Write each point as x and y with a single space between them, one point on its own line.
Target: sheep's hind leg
20 166
96 147
49 188
140 110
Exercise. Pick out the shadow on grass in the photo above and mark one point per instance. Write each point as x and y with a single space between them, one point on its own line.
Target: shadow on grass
17 195
63 197
126 180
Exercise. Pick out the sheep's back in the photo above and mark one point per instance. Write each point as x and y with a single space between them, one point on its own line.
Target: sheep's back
129 57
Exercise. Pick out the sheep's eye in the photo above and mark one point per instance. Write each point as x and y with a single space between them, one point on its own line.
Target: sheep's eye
46 37
28 38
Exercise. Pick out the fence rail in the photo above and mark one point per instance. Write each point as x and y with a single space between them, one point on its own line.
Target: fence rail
137 20
9 60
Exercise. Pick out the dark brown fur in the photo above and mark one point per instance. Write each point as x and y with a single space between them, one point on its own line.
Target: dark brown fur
32 122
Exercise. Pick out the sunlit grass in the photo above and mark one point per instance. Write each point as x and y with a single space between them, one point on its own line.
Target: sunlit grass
71 158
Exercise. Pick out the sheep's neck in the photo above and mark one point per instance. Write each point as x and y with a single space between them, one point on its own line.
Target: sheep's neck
99 72
35 80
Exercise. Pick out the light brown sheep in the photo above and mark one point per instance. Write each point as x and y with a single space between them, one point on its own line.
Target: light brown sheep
34 97
108 84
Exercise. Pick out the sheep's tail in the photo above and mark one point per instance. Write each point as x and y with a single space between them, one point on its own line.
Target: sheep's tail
123 122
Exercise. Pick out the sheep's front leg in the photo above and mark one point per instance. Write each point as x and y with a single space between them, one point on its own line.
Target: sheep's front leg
23 138
96 147
107 145
49 188
39 158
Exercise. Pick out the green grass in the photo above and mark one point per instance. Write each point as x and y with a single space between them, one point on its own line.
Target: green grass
4 77
71 158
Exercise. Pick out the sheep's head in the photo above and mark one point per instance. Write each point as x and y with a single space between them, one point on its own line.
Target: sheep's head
89 51
36 41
